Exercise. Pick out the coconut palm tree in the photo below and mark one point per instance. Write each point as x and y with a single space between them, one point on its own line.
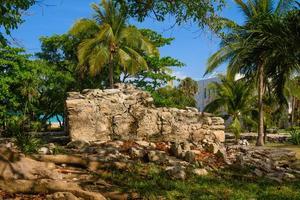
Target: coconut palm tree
233 100
247 48
111 42
188 86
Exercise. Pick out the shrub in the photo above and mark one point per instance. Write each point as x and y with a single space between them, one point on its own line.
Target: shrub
27 142
295 136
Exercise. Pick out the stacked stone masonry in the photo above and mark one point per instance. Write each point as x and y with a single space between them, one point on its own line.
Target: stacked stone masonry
128 113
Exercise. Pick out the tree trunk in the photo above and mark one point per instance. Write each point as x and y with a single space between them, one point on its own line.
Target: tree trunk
260 138
111 75
293 111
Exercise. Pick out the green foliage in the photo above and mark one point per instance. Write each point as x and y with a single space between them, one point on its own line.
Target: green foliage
159 69
172 97
188 86
27 142
235 98
30 88
295 136
199 11
11 13
112 43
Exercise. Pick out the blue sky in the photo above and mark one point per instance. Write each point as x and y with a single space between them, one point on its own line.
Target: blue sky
191 45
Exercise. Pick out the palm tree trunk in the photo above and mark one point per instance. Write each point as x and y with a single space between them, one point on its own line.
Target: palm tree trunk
293 111
111 72
260 138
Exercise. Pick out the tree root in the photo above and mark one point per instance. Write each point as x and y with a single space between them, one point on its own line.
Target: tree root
47 186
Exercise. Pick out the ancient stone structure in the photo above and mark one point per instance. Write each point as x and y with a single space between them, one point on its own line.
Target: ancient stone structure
128 113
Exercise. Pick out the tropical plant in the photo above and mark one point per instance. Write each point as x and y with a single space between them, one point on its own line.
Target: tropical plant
250 49
112 42
295 136
11 13
172 97
188 86
234 101
159 71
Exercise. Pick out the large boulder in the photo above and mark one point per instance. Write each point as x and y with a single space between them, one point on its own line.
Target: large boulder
128 113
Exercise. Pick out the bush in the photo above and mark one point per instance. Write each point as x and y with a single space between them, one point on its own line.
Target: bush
172 97
27 142
295 136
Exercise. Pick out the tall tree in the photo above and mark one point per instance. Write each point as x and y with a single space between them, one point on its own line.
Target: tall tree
11 13
112 43
248 50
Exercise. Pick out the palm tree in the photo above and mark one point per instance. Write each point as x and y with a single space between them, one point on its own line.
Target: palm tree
235 99
188 86
111 42
248 47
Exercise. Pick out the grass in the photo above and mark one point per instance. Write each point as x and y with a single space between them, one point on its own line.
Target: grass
153 183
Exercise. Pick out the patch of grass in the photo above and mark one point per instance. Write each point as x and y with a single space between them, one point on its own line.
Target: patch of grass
153 183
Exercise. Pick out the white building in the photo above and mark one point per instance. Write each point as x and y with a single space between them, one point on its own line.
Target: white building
205 93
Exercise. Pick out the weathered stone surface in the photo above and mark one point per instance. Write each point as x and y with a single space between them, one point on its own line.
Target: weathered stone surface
128 113
275 164
200 172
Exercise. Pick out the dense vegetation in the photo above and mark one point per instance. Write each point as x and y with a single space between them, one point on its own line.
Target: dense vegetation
106 49
264 49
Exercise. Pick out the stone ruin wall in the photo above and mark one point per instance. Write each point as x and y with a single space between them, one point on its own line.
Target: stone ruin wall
128 113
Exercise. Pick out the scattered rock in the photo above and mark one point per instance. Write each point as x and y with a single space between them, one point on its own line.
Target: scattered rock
176 149
176 172
77 144
44 150
200 171
156 156
190 156
62 196
136 153
143 143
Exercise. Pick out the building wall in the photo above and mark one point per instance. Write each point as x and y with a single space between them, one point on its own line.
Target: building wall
205 93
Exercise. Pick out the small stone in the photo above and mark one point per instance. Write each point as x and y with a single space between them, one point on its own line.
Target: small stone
288 176
62 196
186 146
136 153
176 150
143 143
212 148
44 150
176 172
200 172
156 156
9 145
190 156
258 173
152 145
